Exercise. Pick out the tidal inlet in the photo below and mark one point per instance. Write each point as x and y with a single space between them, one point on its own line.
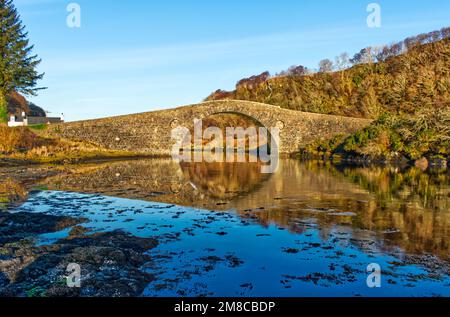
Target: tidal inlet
152 227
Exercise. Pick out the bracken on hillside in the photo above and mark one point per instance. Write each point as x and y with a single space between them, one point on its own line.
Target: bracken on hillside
397 84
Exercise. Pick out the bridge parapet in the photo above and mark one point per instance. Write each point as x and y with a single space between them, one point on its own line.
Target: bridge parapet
150 132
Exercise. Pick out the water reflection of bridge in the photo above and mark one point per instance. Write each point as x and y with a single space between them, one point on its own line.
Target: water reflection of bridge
297 194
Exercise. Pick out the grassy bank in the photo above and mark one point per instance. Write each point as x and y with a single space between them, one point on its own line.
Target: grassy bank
393 138
23 145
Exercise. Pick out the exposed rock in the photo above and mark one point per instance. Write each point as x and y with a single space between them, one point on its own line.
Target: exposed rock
15 227
110 262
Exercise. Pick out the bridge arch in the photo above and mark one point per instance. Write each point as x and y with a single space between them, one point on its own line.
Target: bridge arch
224 119
273 123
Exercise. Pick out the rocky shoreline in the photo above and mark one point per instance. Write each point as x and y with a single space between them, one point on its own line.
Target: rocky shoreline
356 160
110 262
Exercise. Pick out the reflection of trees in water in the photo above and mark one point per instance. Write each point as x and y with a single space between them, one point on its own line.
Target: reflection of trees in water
414 202
430 190
409 208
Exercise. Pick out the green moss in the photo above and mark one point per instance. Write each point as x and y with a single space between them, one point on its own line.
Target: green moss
36 292
38 127
40 188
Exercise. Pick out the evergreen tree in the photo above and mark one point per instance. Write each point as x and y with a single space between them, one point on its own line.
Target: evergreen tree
17 63
3 109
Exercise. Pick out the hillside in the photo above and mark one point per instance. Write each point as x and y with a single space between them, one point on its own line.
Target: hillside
405 87
398 79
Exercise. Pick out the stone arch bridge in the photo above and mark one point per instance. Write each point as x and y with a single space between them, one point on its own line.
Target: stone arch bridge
150 132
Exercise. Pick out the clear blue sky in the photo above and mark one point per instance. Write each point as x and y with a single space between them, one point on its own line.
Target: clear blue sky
134 56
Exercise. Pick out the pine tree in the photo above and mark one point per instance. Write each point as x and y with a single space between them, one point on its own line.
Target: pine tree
3 109
17 63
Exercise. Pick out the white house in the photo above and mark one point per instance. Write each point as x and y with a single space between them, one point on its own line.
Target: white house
24 120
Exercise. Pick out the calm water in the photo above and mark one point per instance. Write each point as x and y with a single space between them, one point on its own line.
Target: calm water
228 230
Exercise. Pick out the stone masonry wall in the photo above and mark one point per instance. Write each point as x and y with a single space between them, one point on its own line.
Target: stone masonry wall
150 132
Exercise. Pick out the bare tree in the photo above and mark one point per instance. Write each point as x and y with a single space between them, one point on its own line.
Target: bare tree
325 66
342 61
365 56
445 32
297 70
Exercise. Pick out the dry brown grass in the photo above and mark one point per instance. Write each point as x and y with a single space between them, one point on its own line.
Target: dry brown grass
22 144
19 139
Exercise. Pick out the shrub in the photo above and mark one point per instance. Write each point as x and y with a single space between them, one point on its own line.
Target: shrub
425 133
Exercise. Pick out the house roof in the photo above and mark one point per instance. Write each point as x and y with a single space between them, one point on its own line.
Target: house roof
42 120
